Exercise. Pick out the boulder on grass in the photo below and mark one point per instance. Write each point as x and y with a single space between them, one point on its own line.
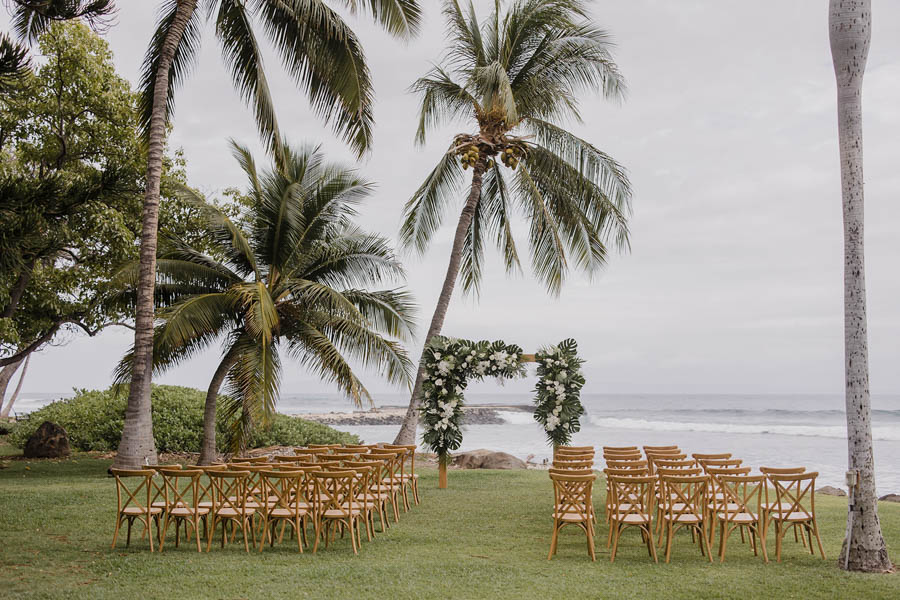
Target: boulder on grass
487 459
890 498
830 491
49 441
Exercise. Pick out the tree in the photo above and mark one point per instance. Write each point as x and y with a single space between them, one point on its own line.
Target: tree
325 59
295 275
70 194
5 409
518 75
850 31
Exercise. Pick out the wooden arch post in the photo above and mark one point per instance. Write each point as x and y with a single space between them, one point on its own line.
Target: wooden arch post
444 460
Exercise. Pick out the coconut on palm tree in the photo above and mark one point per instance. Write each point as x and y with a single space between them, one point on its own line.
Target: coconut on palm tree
291 276
515 78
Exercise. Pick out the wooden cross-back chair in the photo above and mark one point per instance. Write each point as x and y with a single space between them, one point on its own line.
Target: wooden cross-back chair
671 448
230 506
250 459
738 510
572 506
343 452
654 456
686 509
182 493
158 496
134 494
323 446
286 459
795 505
286 503
670 463
620 448
336 505
631 455
663 498
630 471
394 461
627 464
410 480
630 505
376 493
717 497
310 453
573 465
769 496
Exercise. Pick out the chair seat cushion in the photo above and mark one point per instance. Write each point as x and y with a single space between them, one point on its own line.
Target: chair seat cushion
187 511
230 512
632 518
570 517
737 518
137 510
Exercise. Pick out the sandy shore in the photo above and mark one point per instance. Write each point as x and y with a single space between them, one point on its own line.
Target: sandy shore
476 414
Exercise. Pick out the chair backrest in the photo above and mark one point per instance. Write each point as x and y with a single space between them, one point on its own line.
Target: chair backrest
335 490
251 459
287 459
181 487
684 463
698 457
575 448
572 494
394 461
720 463
329 464
693 472
284 489
573 456
134 487
795 493
623 456
323 446
782 470
620 448
629 472
309 452
686 493
630 495
573 465
349 451
554 471
741 494
662 449
627 464
229 490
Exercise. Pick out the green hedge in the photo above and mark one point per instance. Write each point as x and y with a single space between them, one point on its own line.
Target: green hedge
93 419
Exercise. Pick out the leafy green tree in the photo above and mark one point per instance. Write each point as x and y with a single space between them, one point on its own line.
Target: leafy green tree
294 278
71 179
515 78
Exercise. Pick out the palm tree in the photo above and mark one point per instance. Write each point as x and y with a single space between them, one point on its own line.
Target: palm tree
515 77
292 274
850 32
324 57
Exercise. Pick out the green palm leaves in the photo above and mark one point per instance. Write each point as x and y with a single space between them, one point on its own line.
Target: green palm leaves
290 277
316 47
519 73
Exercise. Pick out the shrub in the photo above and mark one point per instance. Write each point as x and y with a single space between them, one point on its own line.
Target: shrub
94 418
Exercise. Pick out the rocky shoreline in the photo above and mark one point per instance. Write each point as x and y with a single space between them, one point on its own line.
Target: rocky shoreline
476 414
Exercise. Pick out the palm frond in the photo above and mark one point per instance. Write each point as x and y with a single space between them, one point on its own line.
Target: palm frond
390 312
548 255
423 213
442 100
31 18
252 388
400 18
325 58
243 58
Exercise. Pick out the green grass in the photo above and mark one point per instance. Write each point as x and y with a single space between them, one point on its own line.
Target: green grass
485 537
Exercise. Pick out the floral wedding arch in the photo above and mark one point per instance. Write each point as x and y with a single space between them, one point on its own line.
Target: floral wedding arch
451 363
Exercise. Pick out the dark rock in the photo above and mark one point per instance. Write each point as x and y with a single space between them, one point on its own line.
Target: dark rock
830 491
890 498
49 441
487 459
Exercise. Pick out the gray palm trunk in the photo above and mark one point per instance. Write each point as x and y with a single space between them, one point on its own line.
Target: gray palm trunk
850 31
7 408
208 452
137 447
407 433
6 375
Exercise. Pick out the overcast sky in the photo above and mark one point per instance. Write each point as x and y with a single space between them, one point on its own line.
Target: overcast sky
734 281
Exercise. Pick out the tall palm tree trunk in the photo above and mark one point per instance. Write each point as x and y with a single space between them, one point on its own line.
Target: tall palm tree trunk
407 433
850 31
208 452
137 447
6 375
12 399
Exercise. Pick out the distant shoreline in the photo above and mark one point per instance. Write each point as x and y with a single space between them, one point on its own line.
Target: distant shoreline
476 414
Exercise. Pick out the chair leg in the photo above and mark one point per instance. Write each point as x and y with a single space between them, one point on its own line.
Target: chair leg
818 539
166 530
415 487
553 540
588 530
116 531
724 532
669 533
615 545
196 531
651 545
779 533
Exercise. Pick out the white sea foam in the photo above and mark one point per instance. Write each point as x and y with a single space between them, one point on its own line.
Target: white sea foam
828 431
516 417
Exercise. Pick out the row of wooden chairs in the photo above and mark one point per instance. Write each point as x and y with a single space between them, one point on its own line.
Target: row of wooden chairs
334 488
702 493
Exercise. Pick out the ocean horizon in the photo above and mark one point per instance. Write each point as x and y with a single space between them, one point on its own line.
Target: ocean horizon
763 429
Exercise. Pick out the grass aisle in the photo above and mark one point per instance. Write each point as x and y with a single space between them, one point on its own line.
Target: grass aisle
485 537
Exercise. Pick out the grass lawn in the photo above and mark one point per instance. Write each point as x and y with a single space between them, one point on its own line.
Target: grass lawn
485 537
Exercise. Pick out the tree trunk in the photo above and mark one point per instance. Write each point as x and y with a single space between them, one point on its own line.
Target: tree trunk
407 433
6 375
208 451
15 395
850 24
137 447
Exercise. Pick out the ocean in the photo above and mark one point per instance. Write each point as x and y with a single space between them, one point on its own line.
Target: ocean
764 430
